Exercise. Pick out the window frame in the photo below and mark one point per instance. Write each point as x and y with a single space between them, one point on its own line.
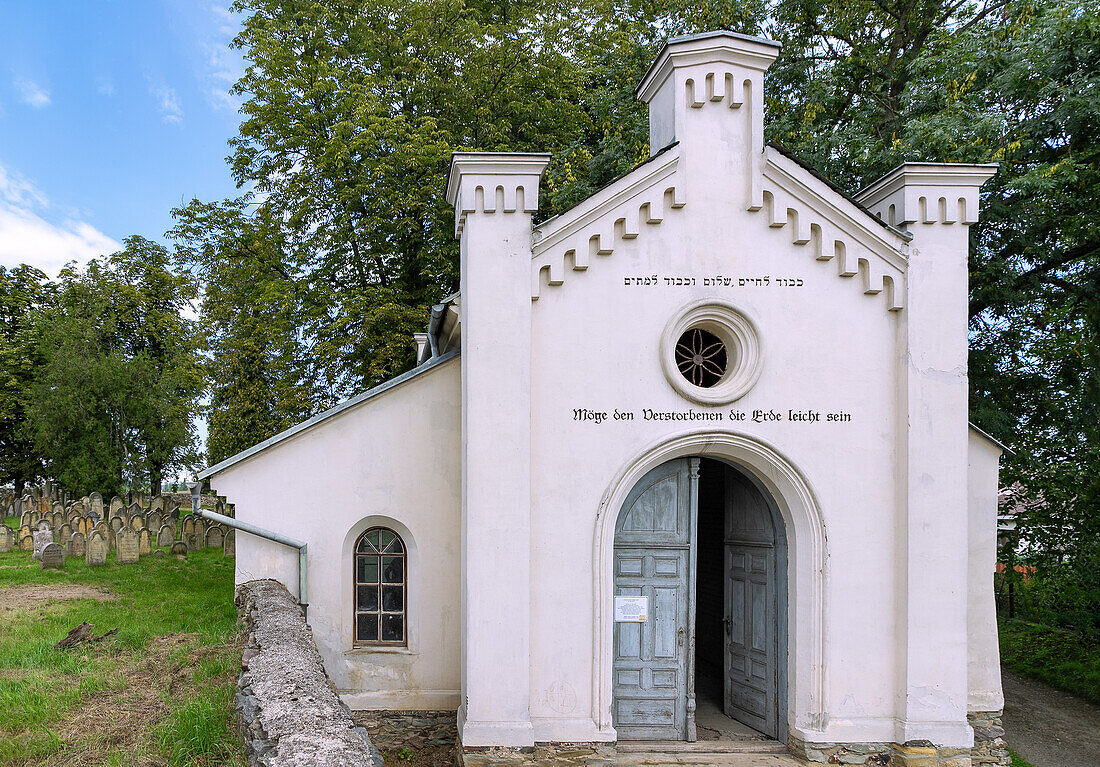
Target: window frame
355 584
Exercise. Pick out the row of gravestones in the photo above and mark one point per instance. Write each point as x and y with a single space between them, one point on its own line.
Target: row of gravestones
130 539
93 504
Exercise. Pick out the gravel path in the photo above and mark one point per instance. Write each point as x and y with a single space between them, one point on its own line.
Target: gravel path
1047 727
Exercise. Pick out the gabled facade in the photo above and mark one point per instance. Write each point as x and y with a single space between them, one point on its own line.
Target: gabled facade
706 429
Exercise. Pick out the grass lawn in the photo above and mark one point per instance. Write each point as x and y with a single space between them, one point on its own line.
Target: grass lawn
1062 659
1019 761
159 692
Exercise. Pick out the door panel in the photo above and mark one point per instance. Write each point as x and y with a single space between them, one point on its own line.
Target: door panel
752 611
651 676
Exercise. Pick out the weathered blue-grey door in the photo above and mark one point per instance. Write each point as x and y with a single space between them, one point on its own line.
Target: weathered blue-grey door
751 662
653 681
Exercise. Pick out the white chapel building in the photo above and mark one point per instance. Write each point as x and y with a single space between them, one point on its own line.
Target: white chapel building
699 440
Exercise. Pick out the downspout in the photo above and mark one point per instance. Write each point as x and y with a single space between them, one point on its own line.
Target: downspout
236 524
434 326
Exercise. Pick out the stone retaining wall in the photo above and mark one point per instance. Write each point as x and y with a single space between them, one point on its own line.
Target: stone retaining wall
393 730
287 709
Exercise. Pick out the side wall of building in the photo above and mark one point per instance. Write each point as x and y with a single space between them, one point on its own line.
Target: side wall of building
391 461
983 653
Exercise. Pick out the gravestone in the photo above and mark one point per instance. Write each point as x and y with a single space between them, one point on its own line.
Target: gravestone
102 527
117 523
194 541
25 519
127 541
79 507
134 508
36 517
166 535
95 551
26 543
145 542
52 556
179 548
153 520
76 544
157 504
7 539
95 504
24 530
117 506
63 532
229 544
57 507
42 536
43 504
158 552
138 521
215 537
174 512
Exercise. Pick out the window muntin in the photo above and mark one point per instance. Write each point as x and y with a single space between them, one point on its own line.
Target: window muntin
381 588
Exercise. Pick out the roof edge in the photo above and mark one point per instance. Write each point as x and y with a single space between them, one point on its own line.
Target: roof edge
347 404
981 432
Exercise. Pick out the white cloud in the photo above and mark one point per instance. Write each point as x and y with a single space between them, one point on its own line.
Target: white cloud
31 92
167 102
27 237
222 65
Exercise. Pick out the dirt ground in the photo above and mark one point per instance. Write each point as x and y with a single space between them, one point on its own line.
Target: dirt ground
1047 727
30 596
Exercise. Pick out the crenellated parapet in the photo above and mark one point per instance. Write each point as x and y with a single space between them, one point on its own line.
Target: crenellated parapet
927 193
590 232
493 183
833 229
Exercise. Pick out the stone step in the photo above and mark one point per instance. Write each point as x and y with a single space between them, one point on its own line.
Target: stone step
703 747
715 759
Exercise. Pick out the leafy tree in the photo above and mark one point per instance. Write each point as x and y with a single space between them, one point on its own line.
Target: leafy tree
261 370
23 291
114 400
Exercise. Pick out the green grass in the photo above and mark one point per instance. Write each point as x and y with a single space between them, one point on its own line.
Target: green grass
1019 761
42 688
1060 658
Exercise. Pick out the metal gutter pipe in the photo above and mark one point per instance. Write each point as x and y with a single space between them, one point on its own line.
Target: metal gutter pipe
236 524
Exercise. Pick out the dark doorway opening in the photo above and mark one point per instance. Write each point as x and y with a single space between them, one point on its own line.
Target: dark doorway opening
712 630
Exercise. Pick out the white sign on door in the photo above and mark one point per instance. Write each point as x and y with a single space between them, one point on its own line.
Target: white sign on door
631 609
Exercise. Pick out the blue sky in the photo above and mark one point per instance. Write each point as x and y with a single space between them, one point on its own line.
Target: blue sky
112 112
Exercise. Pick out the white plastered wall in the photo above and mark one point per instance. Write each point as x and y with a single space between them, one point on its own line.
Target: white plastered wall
983 651
392 461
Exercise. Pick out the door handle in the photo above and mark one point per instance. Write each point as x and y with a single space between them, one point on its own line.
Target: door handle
680 637
729 626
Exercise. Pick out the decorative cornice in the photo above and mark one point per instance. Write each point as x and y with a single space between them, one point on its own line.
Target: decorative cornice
834 228
709 47
595 226
497 181
928 193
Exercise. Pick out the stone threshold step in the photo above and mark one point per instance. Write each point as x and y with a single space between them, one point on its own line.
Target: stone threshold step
715 760
703 747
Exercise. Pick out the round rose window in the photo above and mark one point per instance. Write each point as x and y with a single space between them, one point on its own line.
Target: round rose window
701 357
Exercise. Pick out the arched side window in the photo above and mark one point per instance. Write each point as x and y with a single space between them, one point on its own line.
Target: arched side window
380 588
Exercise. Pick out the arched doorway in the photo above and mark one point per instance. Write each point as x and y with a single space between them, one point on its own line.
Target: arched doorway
699 634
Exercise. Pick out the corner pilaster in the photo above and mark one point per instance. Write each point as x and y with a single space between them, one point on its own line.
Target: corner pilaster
936 203
494 195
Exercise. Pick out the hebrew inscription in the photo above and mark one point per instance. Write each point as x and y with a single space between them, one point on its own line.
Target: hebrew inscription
765 281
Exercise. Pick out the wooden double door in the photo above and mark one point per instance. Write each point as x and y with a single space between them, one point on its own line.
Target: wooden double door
656 555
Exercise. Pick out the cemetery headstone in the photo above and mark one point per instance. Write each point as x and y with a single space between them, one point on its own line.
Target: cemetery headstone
25 519
117 523
26 543
179 548
95 504
157 504
117 505
229 543
52 556
42 536
7 539
63 532
215 537
127 541
145 542
194 541
95 550
76 544
153 520
134 508
165 535
138 521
